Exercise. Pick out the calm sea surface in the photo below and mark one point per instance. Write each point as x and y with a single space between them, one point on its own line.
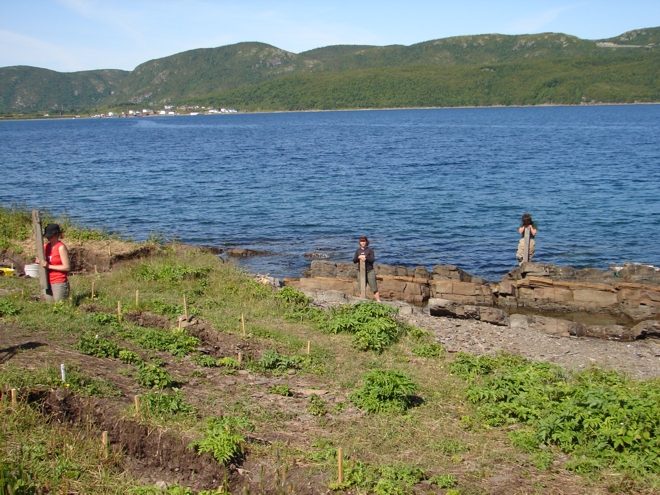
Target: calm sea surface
429 187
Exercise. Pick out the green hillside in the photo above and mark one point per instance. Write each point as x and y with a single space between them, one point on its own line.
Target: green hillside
562 81
30 88
647 36
206 70
488 48
257 75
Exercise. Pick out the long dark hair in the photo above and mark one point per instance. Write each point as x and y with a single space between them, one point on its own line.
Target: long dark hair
526 219
364 238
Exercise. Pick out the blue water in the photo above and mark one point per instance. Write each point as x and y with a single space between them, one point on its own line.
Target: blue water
445 186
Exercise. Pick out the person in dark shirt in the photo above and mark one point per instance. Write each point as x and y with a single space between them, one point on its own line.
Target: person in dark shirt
366 254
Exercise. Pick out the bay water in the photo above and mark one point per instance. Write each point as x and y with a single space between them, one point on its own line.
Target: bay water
428 186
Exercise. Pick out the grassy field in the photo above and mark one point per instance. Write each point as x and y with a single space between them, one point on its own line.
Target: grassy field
408 417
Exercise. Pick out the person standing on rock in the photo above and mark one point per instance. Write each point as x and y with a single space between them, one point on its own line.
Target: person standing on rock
56 263
526 223
366 254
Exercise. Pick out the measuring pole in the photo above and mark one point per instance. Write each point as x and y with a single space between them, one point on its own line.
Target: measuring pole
526 244
39 241
363 279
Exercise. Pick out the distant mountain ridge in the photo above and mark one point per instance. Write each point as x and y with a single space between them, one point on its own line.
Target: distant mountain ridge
233 69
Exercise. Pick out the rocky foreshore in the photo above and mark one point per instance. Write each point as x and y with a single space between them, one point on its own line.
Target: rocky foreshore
621 304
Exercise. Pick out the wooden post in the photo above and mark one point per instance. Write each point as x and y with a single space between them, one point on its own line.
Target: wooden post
185 307
526 243
243 324
14 392
136 400
119 311
39 244
309 346
179 324
363 279
137 298
240 357
92 290
95 270
340 467
104 442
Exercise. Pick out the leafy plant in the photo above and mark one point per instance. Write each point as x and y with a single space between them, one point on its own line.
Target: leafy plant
384 391
429 350
177 343
153 376
129 357
103 318
228 362
292 297
443 480
283 389
274 361
204 360
7 308
600 417
372 325
95 346
224 438
163 405
317 406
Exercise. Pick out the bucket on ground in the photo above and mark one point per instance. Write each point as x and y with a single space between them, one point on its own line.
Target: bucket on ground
32 270
6 272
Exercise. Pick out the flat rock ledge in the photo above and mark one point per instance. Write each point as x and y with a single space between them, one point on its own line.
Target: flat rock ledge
567 344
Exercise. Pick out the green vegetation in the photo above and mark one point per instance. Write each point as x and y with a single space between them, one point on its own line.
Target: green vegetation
402 410
601 418
573 81
384 392
224 438
489 69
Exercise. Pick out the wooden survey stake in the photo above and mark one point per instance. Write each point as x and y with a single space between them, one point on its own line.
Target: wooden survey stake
526 242
363 279
39 244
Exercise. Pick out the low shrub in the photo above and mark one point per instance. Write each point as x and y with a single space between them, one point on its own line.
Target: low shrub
283 390
204 360
274 361
95 346
600 417
224 438
428 350
177 343
372 324
163 405
317 406
129 357
7 308
384 392
154 376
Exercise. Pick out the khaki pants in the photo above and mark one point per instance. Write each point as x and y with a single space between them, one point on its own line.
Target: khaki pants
57 292
521 249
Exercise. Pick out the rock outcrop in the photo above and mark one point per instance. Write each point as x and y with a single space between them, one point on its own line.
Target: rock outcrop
630 294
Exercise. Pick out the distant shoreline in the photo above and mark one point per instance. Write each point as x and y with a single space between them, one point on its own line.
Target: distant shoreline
248 112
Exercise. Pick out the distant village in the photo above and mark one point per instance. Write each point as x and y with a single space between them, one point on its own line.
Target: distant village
167 110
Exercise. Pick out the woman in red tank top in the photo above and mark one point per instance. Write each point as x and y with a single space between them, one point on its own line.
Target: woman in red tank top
56 263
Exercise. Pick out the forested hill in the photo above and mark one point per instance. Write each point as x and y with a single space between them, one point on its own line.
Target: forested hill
481 69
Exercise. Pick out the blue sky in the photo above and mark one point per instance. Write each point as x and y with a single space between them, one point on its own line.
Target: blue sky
72 35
